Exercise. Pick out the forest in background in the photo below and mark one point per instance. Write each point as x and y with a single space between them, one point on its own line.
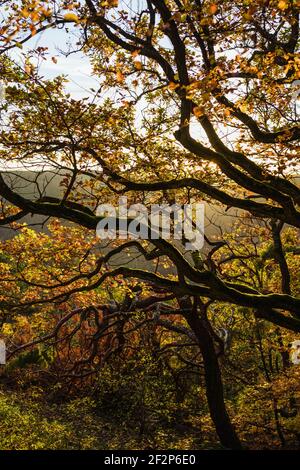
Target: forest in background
137 343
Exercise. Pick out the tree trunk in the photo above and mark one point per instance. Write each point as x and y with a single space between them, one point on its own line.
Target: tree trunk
213 382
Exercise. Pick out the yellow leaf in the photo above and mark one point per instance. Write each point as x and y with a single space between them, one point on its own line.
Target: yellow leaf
28 69
213 9
283 5
248 16
25 13
194 86
46 12
110 3
71 17
244 107
205 21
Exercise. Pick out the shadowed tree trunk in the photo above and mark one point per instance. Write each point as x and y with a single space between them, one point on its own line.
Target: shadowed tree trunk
213 380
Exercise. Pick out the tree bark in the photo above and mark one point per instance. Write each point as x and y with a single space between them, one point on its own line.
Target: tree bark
213 382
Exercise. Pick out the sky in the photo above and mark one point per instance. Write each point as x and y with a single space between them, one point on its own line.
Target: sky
76 66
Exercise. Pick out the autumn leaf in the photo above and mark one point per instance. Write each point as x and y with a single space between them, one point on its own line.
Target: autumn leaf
32 29
120 76
173 86
138 65
25 13
244 107
213 9
198 111
283 5
110 3
28 69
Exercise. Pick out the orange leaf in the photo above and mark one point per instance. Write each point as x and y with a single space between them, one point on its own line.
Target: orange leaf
213 8
198 111
120 76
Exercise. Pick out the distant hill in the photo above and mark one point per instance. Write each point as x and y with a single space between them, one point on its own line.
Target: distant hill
33 185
